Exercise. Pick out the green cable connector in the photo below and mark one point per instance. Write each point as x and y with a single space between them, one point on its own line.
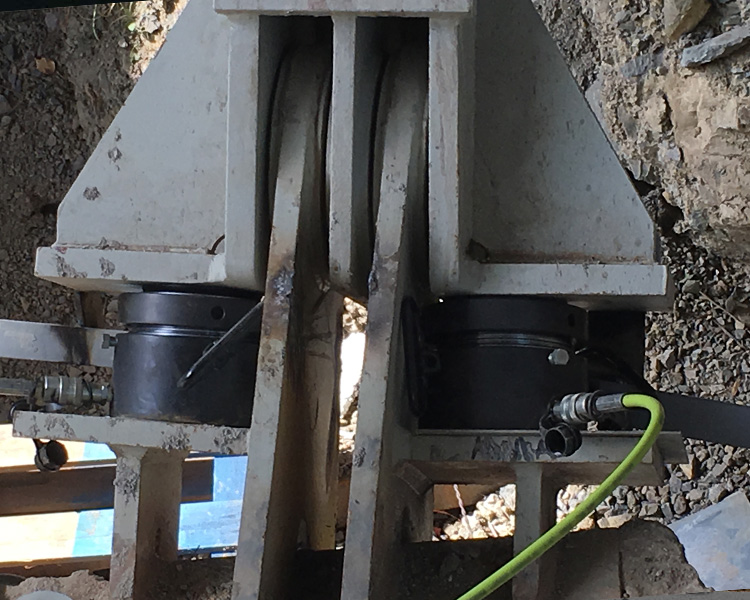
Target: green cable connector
585 508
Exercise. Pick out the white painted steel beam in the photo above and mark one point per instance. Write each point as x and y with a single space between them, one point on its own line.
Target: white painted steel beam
547 208
450 147
358 59
168 196
526 446
380 8
601 286
291 444
121 431
148 489
384 510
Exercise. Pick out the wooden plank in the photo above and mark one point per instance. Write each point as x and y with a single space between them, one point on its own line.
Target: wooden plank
85 486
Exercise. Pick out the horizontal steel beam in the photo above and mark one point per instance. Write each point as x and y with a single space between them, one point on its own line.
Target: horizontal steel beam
24 340
632 286
526 446
493 456
126 432
85 486
19 388
399 8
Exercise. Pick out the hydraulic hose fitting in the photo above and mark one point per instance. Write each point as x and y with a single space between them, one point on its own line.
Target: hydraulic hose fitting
54 392
537 548
50 456
559 438
563 440
561 427
579 409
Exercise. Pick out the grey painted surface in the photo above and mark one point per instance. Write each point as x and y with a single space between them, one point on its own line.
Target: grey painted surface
717 543
548 186
163 185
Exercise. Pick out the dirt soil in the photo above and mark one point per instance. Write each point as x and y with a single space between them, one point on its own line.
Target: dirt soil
641 559
81 585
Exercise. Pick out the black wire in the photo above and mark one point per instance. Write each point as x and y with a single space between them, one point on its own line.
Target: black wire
619 366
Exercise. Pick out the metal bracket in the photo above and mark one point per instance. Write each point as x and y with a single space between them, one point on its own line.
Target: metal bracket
23 340
148 484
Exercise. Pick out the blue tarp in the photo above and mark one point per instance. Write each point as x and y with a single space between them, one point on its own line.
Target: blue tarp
212 524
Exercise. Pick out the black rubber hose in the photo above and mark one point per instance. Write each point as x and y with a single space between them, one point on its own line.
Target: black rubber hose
702 419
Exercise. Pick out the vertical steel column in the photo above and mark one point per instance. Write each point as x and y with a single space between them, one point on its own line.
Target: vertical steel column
290 484
147 486
536 512
384 511
148 489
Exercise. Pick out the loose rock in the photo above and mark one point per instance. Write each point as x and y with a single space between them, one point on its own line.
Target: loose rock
692 286
715 48
614 521
682 16
639 65
679 504
717 493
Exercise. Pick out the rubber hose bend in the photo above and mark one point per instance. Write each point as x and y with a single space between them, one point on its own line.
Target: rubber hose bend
585 508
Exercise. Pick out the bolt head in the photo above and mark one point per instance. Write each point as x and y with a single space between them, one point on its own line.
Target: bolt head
108 341
559 357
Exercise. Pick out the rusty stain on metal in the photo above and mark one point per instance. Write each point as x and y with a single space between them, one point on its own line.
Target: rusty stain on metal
126 481
105 244
114 154
65 270
107 267
577 258
227 439
92 193
75 341
281 284
519 450
372 282
176 441
122 568
59 427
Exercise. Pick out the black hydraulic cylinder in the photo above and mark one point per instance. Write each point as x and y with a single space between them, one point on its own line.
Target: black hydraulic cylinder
167 332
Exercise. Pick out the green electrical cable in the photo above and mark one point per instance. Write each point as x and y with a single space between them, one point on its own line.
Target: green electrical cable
585 508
